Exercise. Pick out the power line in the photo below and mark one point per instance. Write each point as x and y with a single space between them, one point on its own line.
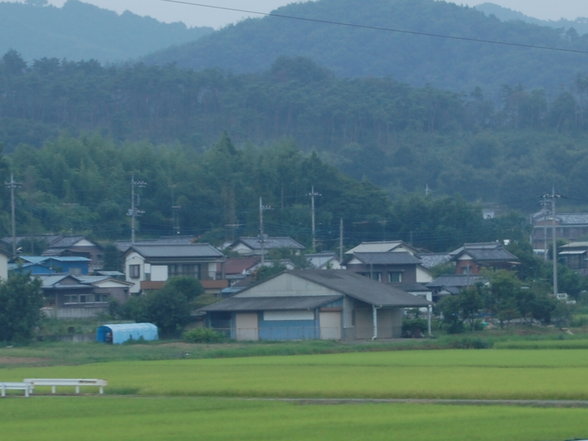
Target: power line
383 28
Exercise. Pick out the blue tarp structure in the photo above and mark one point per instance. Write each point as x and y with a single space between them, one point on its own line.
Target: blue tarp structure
121 333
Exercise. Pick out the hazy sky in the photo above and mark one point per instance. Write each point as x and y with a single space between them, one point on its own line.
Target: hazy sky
202 16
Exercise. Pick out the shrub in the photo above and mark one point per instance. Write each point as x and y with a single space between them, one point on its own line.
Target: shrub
203 335
414 328
471 343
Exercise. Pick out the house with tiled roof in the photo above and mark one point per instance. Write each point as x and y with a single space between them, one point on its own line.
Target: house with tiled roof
256 246
69 296
568 227
324 260
575 256
149 266
472 257
451 284
313 304
396 246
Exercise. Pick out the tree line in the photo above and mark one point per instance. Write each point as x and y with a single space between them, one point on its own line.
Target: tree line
398 137
83 185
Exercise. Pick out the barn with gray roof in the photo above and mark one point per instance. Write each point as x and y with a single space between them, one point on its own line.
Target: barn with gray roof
313 304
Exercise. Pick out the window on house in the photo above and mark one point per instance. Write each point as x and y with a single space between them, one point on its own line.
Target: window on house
184 269
377 276
71 298
395 277
134 271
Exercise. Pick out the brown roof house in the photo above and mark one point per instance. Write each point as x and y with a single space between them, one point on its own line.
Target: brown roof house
313 304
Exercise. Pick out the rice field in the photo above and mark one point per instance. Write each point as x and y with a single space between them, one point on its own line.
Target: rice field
216 419
447 374
241 398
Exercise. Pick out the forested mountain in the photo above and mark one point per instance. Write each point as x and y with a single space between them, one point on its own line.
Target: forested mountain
83 185
80 31
579 25
376 49
398 137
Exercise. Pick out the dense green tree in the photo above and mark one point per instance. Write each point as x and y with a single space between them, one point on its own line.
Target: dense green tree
169 308
21 300
463 310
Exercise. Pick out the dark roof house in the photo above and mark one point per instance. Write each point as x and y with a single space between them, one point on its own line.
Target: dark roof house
393 267
150 266
450 284
256 246
472 257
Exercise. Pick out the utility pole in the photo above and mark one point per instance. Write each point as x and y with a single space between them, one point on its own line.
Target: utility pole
341 240
262 208
175 211
12 186
551 198
312 195
135 201
545 207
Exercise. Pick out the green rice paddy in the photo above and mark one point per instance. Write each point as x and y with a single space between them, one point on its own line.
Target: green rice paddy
242 398
215 419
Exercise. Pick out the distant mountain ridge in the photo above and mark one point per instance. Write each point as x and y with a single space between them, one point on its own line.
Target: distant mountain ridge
80 31
379 48
505 14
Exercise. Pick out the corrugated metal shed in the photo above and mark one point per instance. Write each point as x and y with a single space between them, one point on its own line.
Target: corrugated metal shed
121 333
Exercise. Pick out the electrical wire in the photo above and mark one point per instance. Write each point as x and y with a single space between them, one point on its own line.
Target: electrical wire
383 28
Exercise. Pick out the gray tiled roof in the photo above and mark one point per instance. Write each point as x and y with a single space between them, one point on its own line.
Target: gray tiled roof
391 258
271 243
66 241
124 245
431 260
564 218
361 288
456 280
270 303
492 255
178 250
486 251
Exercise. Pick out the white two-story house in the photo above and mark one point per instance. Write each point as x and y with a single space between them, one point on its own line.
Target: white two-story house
149 266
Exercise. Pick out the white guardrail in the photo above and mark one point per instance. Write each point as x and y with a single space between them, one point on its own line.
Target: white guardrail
26 387
66 382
